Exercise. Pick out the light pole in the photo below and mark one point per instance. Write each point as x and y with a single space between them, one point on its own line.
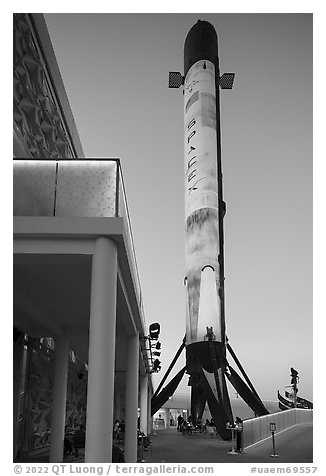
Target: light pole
272 427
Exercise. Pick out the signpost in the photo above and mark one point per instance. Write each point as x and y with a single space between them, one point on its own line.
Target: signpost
272 427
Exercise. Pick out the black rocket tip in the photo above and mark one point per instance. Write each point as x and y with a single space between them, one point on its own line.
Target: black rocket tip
204 25
200 26
200 43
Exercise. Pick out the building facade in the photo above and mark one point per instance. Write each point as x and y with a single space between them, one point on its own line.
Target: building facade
79 327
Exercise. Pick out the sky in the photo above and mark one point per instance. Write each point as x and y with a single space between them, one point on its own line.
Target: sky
115 70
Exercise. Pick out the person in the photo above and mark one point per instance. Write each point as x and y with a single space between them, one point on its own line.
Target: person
122 429
184 427
117 455
79 439
205 425
197 425
180 420
210 428
143 439
67 446
116 429
238 431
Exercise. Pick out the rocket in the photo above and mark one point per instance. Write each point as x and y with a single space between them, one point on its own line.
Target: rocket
204 212
205 340
204 205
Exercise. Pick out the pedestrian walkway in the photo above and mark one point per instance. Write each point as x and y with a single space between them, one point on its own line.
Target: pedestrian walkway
294 445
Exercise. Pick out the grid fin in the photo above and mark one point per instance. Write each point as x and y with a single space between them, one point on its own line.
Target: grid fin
226 80
175 79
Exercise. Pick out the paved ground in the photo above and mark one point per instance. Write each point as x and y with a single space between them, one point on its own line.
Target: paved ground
294 445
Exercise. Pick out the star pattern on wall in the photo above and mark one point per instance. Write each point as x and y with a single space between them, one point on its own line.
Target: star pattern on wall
35 111
35 422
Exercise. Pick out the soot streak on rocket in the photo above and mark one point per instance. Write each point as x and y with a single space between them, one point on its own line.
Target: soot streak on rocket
202 250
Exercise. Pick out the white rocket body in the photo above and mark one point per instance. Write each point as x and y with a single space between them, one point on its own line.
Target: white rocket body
201 203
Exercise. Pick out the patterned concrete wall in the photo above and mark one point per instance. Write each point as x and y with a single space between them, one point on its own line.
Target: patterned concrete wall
38 122
36 394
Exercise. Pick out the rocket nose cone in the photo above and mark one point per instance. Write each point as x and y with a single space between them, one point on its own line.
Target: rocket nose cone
201 25
200 43
204 25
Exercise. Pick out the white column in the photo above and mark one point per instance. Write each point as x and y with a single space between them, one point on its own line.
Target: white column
132 399
101 353
144 403
58 415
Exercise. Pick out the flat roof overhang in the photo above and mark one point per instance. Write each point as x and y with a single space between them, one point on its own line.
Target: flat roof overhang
52 276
